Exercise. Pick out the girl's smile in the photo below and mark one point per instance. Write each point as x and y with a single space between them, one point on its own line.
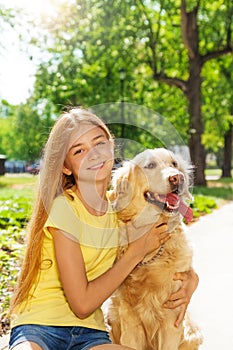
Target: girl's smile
97 167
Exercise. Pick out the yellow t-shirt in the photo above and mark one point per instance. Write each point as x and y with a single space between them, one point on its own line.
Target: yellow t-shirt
98 238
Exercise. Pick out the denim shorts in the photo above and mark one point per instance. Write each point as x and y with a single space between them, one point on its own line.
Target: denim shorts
55 337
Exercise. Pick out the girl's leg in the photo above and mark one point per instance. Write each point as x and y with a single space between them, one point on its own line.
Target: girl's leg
27 345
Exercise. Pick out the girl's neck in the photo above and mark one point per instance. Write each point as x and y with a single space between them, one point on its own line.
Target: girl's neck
93 198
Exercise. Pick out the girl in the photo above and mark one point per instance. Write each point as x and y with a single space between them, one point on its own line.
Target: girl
68 270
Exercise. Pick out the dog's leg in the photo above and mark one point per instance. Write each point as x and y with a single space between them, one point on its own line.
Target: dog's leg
190 345
115 332
172 338
131 329
192 337
133 335
169 337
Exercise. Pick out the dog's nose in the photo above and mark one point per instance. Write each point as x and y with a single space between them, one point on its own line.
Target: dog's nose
176 179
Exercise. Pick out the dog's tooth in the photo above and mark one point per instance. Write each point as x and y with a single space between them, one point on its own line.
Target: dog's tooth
161 198
149 194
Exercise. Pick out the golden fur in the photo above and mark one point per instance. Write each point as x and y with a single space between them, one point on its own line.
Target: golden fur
136 315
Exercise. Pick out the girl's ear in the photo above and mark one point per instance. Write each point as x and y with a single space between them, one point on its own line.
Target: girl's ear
66 171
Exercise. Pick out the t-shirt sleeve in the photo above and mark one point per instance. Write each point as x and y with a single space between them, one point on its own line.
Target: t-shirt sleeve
63 217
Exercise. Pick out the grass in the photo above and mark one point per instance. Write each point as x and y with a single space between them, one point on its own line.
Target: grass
218 189
17 181
216 172
215 194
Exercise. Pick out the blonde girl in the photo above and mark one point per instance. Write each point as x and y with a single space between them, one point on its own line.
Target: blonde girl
68 269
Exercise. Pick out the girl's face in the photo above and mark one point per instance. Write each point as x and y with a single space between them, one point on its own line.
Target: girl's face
90 156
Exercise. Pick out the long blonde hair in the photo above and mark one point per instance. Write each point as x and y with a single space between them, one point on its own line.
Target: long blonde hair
52 182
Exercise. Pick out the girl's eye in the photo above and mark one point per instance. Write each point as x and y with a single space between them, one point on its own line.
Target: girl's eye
104 144
78 151
101 143
151 165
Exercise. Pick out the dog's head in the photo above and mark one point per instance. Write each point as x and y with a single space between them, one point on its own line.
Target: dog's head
155 177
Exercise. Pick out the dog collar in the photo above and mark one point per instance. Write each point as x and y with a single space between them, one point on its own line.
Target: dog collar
157 255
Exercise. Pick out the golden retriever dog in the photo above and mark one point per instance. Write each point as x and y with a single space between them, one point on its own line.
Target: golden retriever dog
152 188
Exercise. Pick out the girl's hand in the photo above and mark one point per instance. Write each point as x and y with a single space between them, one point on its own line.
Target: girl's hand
183 296
149 241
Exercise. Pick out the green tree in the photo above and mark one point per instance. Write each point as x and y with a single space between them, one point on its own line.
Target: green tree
164 45
179 45
6 122
24 131
31 128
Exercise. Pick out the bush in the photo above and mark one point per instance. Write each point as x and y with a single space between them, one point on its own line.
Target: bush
203 205
14 212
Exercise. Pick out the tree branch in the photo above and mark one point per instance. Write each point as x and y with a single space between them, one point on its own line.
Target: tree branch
216 54
181 84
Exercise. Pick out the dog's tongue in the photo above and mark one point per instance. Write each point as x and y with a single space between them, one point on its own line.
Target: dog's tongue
183 209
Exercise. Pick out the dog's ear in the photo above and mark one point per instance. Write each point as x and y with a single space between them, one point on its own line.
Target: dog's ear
187 170
122 186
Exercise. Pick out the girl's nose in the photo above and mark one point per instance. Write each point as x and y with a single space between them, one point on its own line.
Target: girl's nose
93 153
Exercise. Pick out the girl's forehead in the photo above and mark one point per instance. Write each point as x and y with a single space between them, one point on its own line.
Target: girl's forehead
85 132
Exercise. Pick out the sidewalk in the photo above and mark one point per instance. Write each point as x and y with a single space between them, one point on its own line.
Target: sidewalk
211 305
4 342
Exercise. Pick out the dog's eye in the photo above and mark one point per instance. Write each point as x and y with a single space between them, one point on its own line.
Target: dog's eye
175 164
151 165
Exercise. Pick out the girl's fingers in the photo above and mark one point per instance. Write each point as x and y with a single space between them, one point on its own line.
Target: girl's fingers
180 294
182 276
180 317
174 304
161 228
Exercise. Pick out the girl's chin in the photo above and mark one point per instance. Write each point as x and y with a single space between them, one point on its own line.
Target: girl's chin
94 176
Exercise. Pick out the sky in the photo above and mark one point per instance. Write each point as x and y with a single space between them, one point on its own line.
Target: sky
16 69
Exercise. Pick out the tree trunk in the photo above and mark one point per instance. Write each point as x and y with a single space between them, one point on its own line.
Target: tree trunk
197 151
227 153
190 35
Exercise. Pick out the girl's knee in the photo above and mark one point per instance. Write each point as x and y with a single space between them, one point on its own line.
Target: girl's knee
27 345
111 347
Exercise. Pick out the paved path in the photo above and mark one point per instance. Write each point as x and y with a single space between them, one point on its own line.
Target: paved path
212 303
4 342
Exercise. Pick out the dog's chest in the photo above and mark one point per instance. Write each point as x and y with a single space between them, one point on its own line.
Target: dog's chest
155 278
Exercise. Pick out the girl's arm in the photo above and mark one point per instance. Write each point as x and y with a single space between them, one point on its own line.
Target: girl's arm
183 296
85 297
